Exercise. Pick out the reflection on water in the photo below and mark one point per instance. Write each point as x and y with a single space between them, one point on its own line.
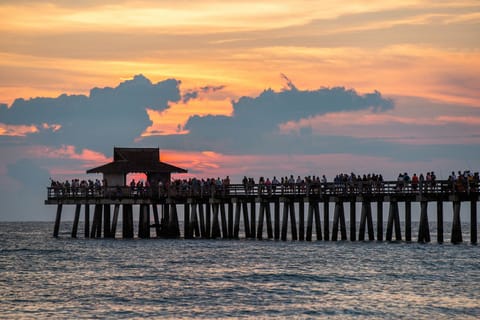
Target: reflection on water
66 278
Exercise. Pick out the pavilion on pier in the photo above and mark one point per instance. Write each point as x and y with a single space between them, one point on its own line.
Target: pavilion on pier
136 160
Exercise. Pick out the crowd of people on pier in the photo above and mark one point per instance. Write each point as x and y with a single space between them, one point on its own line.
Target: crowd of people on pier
342 183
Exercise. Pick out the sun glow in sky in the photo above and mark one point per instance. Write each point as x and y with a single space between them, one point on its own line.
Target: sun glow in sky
228 109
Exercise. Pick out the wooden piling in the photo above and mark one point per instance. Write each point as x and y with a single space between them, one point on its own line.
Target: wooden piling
423 229
408 221
260 220
366 220
224 221
440 221
293 221
106 221
57 220
246 222
187 230
236 226
379 220
230 219
313 212
156 219
76 218
269 220
203 232
174 227
215 223
276 219
286 206
326 220
127 232
252 219
87 221
393 220
339 218
353 220
473 221
165 220
113 229
146 221
194 227
456 223
208 219
301 220
97 222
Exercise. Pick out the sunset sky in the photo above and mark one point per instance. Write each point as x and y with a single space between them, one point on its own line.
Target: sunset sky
235 88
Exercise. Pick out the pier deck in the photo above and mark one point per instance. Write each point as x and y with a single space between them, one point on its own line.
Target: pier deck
216 211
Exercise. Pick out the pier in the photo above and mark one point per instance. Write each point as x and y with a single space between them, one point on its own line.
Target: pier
230 211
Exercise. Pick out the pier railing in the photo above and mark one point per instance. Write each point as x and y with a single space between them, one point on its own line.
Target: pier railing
441 187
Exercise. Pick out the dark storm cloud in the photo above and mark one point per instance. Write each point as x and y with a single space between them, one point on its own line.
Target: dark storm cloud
193 94
254 123
106 117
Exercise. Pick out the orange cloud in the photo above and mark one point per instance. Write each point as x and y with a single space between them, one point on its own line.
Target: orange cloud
17 130
173 119
69 152
237 166
474 121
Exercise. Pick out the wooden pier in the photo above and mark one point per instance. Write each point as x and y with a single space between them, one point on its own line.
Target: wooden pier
230 212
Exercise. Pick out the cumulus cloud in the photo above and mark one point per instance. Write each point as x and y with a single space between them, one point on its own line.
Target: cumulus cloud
106 117
253 125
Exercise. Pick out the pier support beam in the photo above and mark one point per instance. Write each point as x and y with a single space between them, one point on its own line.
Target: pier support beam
236 226
264 212
76 218
313 211
380 220
253 219
86 225
293 221
113 229
393 220
440 221
203 231
326 220
224 221
208 220
246 220
144 222
106 221
339 218
187 228
156 219
215 223
473 221
289 206
301 220
277 219
353 220
366 221
127 218
194 227
57 220
97 222
456 224
230 220
408 221
173 226
423 229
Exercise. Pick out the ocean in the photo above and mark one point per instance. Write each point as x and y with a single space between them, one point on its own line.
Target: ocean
43 277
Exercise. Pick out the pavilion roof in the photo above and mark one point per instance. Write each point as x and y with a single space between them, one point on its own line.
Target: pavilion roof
131 160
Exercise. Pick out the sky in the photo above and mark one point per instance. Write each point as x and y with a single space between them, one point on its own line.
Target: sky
255 88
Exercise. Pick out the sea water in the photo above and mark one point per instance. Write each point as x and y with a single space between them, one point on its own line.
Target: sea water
44 277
